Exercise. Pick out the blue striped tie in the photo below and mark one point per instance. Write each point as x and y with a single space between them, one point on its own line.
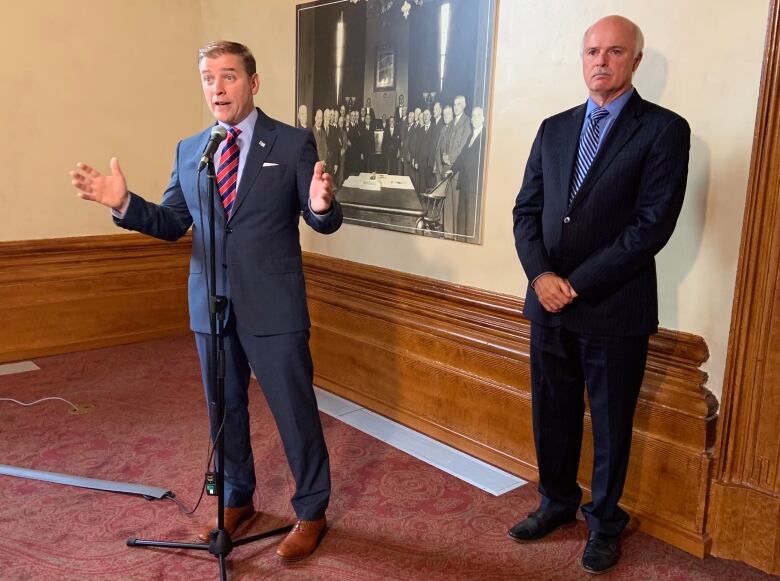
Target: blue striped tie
227 174
589 145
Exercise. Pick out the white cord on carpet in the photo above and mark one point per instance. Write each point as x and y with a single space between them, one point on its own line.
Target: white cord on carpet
71 404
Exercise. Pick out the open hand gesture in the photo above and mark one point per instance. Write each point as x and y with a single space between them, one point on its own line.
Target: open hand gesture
109 190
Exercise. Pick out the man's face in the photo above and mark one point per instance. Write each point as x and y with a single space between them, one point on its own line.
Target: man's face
342 111
303 115
401 100
326 117
410 117
477 118
417 115
391 121
447 115
426 117
228 89
459 106
436 110
318 118
354 116
608 60
362 112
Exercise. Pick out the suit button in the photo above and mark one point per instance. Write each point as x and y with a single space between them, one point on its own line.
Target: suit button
229 230
566 220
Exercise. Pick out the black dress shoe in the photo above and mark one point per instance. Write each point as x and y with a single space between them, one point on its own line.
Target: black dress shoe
539 524
601 553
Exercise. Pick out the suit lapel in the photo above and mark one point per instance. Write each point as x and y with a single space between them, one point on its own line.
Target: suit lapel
621 132
263 138
571 130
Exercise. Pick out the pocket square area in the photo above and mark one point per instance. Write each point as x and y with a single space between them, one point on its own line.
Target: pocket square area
269 164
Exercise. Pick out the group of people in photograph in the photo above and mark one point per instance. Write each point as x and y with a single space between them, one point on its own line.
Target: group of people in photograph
426 143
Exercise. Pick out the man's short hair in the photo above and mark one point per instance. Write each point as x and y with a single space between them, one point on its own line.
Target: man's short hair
217 48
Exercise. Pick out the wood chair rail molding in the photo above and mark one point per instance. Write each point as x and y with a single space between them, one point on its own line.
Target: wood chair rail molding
452 362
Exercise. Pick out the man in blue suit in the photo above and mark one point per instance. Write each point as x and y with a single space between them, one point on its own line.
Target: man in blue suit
602 191
268 176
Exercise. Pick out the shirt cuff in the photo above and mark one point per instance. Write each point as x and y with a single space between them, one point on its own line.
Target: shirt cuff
120 212
321 217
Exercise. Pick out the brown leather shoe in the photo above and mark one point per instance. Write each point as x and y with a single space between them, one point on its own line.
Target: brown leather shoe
233 518
301 541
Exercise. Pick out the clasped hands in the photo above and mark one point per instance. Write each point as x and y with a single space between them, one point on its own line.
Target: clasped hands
554 292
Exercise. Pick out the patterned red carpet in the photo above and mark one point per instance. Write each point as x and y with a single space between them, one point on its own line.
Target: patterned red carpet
391 517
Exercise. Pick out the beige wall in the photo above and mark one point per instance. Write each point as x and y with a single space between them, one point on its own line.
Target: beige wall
83 80
85 88
702 59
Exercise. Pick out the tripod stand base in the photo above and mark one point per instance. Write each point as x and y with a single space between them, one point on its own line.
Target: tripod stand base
220 544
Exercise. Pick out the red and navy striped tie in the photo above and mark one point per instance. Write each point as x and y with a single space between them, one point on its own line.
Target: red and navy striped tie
227 174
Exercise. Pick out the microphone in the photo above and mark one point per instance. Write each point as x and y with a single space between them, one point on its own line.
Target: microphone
218 134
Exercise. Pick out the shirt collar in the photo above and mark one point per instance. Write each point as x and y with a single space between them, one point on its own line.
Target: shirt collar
247 126
614 108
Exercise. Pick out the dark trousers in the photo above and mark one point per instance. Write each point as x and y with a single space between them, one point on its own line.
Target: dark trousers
562 364
283 367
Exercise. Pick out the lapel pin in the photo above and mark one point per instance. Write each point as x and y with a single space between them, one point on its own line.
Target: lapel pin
262 143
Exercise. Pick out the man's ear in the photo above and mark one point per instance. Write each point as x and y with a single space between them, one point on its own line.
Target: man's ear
637 60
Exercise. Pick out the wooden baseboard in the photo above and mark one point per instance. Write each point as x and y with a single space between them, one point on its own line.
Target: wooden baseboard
452 362
68 294
745 524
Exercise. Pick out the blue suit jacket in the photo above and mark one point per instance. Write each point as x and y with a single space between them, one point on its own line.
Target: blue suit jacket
259 265
604 243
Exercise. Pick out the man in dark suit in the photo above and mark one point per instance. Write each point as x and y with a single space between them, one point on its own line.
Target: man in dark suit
602 191
259 271
425 146
333 143
353 157
468 166
366 140
400 111
320 139
391 146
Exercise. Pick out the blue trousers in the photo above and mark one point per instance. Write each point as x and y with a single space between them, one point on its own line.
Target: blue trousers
283 367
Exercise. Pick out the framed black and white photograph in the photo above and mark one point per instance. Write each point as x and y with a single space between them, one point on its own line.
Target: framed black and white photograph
396 93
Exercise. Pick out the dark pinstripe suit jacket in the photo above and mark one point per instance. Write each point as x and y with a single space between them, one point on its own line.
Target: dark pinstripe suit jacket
605 242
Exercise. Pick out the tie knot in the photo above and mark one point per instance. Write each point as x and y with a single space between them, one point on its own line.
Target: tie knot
233 133
598 114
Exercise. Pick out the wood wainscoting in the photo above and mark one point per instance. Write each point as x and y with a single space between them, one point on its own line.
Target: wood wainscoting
452 362
447 360
67 294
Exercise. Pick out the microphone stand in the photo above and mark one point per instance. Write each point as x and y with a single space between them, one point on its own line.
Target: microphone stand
220 544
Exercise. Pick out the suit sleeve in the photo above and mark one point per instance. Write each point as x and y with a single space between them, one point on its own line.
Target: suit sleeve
307 157
658 205
168 220
527 214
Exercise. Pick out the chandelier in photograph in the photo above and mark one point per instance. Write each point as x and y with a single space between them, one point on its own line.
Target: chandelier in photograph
382 7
